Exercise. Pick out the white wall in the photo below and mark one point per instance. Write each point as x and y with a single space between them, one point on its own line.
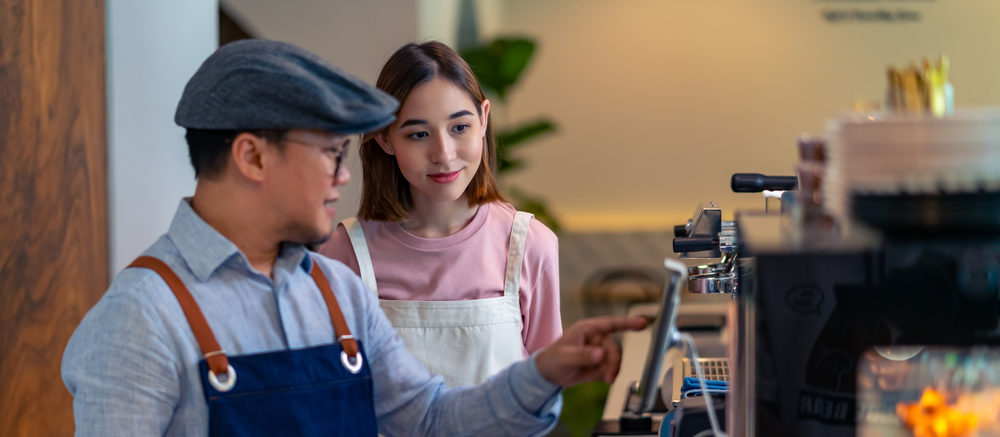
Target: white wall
153 47
659 102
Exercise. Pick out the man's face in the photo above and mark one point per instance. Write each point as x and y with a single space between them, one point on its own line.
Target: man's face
302 184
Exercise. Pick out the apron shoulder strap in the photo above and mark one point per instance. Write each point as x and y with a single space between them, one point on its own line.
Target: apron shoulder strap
364 257
515 252
214 355
340 328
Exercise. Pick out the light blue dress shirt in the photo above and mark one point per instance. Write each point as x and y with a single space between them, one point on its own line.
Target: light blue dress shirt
131 365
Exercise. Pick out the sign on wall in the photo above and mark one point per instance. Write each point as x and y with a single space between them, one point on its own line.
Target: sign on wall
871 11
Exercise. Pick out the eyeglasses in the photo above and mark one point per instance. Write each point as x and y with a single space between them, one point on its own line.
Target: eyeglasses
338 157
338 154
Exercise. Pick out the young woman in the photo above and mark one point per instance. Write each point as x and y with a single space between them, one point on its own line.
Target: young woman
470 284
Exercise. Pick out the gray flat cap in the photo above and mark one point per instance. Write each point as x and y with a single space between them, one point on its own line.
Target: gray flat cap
262 84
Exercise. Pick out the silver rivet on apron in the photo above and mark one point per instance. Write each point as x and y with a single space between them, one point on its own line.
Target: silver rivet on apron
351 367
226 385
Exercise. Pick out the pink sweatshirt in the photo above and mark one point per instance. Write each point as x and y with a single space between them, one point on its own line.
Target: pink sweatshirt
468 264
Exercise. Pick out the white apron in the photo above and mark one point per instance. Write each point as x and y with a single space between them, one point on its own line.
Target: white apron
465 341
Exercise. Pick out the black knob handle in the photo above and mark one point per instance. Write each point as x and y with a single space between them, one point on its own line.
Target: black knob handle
680 230
694 244
756 182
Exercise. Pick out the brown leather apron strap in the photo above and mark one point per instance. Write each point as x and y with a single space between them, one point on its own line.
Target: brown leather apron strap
214 355
343 333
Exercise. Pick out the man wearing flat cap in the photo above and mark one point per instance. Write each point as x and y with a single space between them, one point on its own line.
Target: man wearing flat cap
228 325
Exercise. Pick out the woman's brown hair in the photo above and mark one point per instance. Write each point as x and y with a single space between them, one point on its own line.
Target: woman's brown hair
385 193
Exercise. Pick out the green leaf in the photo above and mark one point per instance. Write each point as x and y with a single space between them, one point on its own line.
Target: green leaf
586 401
499 64
505 163
508 139
512 137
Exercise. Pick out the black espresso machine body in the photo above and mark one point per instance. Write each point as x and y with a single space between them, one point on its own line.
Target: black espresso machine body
812 303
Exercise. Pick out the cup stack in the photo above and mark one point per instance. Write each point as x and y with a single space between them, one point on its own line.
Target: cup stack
911 155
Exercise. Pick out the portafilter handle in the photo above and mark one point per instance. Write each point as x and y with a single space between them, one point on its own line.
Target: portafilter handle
695 244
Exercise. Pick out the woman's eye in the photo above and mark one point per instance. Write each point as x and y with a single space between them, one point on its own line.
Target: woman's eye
417 135
461 128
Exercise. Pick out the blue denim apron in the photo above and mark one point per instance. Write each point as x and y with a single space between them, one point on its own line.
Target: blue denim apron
321 390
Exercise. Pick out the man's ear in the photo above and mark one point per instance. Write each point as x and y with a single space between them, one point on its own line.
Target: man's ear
247 155
383 141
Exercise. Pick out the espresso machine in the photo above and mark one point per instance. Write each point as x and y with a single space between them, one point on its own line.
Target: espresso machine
807 314
707 235
840 324
847 317
709 248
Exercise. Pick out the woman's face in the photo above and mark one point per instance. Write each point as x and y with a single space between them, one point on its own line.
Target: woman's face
437 140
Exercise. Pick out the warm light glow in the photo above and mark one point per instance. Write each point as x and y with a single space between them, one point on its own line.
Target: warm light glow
932 417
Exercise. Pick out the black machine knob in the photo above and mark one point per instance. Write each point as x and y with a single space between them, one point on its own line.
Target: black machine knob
756 182
695 244
680 230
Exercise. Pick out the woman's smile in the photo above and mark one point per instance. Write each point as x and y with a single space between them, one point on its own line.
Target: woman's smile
444 178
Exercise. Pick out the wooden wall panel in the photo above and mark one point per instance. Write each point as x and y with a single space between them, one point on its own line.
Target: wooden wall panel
53 200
